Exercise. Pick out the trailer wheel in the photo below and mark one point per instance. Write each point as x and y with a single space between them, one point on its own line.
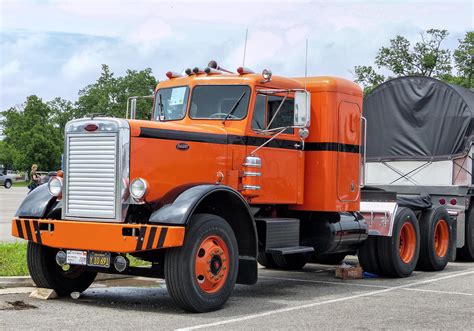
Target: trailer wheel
266 259
201 275
368 256
290 261
46 273
398 254
330 259
466 253
435 240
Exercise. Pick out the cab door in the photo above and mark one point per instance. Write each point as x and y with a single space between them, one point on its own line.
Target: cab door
281 155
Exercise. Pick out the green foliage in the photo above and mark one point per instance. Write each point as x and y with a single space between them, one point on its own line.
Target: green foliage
464 60
109 94
13 259
425 58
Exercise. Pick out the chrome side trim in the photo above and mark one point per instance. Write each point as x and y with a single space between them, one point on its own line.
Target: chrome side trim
251 187
252 174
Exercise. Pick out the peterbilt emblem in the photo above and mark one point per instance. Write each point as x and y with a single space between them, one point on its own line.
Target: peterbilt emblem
182 146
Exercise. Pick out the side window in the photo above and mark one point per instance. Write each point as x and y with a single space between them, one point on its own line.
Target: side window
258 120
285 115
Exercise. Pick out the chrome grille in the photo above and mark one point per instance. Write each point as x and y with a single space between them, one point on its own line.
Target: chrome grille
91 176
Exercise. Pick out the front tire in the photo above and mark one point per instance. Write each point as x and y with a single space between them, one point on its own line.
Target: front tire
46 273
435 235
201 275
7 184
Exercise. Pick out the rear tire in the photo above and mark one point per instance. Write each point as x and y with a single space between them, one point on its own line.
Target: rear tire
435 239
8 184
329 259
466 253
46 273
201 274
398 254
368 256
290 261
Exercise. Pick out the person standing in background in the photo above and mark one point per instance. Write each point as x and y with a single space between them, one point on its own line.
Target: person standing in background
34 178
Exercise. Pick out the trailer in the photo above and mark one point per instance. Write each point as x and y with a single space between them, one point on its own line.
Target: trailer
233 169
419 145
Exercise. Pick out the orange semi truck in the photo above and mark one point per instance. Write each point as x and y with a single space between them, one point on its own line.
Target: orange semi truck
231 170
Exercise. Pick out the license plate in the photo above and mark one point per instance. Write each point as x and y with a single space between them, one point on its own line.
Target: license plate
98 259
76 257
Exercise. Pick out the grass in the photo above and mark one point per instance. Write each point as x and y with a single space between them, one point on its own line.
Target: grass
20 183
13 260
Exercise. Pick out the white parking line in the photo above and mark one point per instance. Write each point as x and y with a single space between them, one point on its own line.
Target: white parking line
315 304
364 285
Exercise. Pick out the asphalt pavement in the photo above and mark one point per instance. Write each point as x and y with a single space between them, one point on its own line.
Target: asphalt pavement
307 299
10 200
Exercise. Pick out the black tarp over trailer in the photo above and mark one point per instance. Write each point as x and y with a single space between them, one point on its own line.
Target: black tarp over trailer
418 118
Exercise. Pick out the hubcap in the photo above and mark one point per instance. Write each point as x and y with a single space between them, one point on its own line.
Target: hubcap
212 264
441 238
407 242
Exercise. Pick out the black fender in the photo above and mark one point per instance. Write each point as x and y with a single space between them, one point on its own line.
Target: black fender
178 207
37 203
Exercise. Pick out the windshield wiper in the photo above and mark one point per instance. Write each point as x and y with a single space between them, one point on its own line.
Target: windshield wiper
234 107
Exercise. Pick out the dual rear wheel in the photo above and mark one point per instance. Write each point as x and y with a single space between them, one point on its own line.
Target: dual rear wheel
423 245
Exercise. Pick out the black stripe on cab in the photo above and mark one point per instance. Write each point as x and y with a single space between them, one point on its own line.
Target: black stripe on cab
332 147
37 231
20 230
161 239
29 236
141 238
151 238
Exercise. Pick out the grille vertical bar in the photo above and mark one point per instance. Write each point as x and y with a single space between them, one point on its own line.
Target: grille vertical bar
92 176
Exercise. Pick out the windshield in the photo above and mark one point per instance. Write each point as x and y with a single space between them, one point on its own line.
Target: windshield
170 103
229 102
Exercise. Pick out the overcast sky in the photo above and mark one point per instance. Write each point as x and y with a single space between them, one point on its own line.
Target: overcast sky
54 48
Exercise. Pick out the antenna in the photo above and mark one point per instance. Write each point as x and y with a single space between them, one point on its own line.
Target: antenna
245 47
306 65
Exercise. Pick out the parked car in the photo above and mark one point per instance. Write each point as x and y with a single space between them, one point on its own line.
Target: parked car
45 176
6 180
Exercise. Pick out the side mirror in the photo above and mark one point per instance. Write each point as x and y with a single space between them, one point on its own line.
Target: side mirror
302 109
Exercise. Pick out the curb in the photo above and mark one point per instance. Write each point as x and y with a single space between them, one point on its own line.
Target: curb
26 281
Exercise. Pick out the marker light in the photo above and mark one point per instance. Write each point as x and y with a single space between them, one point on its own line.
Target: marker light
267 75
198 70
172 74
453 202
442 201
55 186
138 189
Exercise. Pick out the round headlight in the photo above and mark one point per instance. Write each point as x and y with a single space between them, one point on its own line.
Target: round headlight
138 188
55 186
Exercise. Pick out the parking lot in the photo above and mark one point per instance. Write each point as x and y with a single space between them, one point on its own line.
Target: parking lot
10 200
307 299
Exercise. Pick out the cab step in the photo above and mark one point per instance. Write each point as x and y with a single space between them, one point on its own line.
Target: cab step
280 235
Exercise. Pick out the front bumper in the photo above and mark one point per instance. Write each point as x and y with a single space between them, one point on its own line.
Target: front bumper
97 236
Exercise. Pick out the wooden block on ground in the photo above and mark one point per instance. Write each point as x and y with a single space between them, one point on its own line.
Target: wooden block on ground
44 294
351 272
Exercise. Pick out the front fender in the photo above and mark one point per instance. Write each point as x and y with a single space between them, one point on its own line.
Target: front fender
181 206
36 204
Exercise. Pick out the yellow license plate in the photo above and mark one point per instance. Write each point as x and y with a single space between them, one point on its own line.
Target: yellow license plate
98 259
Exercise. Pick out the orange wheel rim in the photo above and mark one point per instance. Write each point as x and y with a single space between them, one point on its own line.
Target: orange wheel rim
212 264
441 238
407 242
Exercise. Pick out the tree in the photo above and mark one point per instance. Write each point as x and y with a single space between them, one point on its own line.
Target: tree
464 60
109 94
425 58
61 112
30 137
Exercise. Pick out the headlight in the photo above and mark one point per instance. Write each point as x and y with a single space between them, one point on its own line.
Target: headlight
55 186
138 188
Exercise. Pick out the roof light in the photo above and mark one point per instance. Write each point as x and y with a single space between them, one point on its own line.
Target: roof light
243 71
212 71
172 74
213 65
267 75
198 70
189 72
